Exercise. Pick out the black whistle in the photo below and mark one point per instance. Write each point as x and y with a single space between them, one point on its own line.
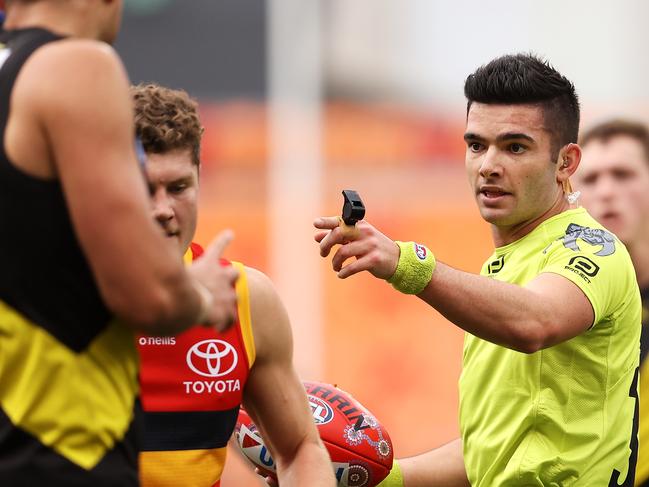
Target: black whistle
353 207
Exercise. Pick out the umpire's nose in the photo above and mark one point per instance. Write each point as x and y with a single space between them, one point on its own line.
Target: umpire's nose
489 166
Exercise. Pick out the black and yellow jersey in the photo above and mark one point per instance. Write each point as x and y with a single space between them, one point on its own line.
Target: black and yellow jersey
68 369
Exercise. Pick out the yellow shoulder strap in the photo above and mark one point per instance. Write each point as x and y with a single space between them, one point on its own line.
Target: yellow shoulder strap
243 306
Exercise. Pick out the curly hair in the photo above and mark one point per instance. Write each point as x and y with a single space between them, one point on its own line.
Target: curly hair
166 120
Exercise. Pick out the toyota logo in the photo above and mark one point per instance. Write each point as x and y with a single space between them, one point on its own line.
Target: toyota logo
212 358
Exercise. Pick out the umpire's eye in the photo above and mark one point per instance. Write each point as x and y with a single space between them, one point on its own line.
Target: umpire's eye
475 146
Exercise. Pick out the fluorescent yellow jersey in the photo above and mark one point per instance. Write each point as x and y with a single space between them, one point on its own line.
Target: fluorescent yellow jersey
566 415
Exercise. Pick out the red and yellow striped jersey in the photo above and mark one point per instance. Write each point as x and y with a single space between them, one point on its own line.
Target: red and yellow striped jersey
191 388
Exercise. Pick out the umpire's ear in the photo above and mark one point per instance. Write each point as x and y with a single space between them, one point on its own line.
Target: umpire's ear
567 162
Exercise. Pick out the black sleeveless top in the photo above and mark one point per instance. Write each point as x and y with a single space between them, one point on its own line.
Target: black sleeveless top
68 370
43 273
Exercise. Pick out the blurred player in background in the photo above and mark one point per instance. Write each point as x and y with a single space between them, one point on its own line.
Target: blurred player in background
614 182
193 384
548 391
82 264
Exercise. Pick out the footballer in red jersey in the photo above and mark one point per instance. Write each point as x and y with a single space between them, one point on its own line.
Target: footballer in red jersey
192 384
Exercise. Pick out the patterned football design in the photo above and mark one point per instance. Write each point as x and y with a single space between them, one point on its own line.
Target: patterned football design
359 446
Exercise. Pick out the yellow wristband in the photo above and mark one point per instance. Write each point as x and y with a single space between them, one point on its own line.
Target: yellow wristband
415 268
394 478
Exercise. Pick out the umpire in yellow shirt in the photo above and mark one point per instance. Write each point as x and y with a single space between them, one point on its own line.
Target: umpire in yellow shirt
548 392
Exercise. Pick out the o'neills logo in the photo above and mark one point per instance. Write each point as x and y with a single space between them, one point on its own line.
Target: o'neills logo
212 358
420 250
143 341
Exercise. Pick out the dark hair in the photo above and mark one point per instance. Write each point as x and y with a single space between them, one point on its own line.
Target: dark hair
618 127
527 79
166 120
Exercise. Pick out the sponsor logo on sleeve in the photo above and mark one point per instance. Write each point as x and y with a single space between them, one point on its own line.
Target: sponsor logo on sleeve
583 267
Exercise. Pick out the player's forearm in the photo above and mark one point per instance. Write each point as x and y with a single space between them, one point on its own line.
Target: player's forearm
139 275
442 467
310 466
499 312
165 308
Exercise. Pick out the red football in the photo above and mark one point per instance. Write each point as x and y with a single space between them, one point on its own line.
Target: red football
360 448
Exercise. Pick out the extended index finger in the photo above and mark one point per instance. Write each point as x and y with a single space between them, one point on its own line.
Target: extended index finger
326 222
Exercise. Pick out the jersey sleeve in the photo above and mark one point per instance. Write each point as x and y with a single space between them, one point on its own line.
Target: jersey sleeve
599 270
